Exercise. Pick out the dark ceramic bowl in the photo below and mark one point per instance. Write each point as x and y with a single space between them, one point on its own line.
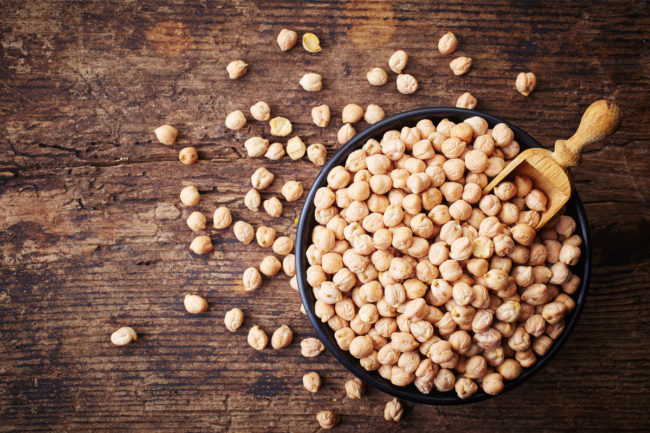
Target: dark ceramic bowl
307 223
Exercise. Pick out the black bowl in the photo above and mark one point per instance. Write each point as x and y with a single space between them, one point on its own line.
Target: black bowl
307 223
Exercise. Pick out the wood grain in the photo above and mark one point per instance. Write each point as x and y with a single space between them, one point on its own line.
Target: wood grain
92 235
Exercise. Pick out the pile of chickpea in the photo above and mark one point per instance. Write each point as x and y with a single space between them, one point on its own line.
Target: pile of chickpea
426 280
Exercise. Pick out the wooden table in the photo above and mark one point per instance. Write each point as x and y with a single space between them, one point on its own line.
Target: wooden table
93 236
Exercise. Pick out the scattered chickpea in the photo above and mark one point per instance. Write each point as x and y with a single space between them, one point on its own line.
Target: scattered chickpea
201 245
292 190
166 134
275 151
352 113
261 178
123 336
354 388
393 410
195 304
280 126
265 236
466 100
221 218
270 266
374 113
327 419
447 43
190 196
252 280
188 156
287 39
272 206
321 115
525 83
257 338
256 146
281 337
234 319
397 61
377 77
235 120
345 133
295 148
460 65
283 245
236 69
252 200
317 154
196 221
311 82
311 43
311 347
406 84
311 382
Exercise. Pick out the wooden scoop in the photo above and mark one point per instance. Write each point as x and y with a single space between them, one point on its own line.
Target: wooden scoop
548 169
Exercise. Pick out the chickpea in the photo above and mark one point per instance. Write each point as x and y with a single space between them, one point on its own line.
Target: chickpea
361 346
406 84
287 39
311 381
292 190
451 191
352 113
236 69
525 83
317 154
345 133
124 335
166 134
327 419
252 200
257 338
447 43
195 304
460 65
373 114
466 100
235 120
377 77
190 196
282 338
265 236
523 234
572 285
321 115
393 411
188 156
261 178
397 61
311 347
311 82
256 146
234 319
201 245
196 221
569 254
536 200
275 151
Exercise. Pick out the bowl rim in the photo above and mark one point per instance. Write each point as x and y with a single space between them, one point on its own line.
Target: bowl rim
325 334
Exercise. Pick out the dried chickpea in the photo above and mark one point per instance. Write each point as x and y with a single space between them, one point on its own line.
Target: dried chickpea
256 146
321 115
283 245
270 266
188 156
257 338
354 388
397 61
466 100
195 304
287 39
275 151
311 82
502 135
327 419
374 113
377 77
352 113
236 69
201 245
196 221
536 200
251 279
447 43
234 319
281 337
280 126
346 132
292 190
166 134
265 236
406 84
252 200
123 336
261 178
190 196
317 153
235 120
221 218
311 382
525 83
311 347
393 410
492 383
460 65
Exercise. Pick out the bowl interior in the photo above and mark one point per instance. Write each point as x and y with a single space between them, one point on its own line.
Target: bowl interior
307 222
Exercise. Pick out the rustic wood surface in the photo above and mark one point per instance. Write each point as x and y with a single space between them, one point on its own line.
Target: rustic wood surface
92 235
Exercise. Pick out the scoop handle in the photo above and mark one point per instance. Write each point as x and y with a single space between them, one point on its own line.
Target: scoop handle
600 119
